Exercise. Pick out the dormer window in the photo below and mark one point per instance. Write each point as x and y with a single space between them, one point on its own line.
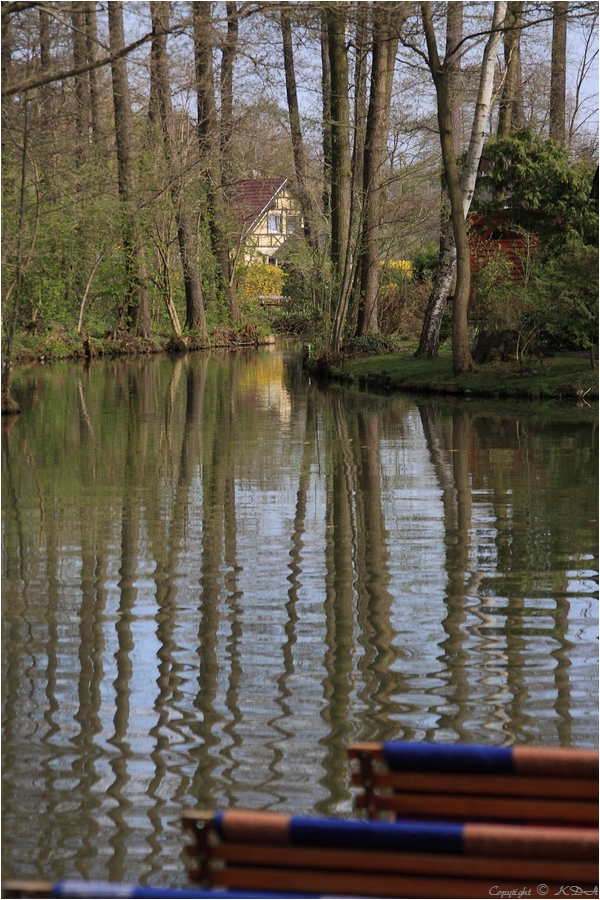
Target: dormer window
274 223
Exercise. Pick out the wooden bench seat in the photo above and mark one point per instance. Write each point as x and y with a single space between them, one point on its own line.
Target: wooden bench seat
240 849
465 782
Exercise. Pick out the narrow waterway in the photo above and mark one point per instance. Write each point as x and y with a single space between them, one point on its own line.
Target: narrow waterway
215 575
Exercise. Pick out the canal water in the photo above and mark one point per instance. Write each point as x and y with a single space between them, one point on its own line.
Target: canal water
216 574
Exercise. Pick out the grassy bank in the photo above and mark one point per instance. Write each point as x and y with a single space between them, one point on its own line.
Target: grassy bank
61 344
562 377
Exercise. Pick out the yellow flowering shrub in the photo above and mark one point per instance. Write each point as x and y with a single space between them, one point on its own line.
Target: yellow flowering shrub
402 267
260 279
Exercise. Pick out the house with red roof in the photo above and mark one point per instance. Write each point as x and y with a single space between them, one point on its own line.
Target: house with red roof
267 214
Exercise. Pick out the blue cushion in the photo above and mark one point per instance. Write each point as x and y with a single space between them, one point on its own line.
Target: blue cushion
416 837
92 890
459 758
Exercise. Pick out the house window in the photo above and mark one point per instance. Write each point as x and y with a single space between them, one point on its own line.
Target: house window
291 223
274 223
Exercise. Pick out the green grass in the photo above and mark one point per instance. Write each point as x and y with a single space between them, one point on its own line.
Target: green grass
561 376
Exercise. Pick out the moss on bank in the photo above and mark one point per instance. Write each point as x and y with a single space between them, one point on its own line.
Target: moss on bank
562 377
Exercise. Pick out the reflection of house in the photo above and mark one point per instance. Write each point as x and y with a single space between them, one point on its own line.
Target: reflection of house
266 213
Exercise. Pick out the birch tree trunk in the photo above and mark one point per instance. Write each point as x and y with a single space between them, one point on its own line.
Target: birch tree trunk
460 190
135 312
161 111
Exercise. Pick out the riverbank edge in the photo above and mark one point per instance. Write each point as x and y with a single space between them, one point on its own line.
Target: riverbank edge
566 377
60 346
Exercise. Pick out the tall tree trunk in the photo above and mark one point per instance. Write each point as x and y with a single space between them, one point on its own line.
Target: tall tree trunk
461 187
362 41
340 134
460 200
161 110
91 42
136 312
388 19
510 114
209 146
558 70
304 195
454 36
360 95
227 60
82 84
7 49
350 273
46 64
326 98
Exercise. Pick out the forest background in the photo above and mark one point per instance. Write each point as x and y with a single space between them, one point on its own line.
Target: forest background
127 126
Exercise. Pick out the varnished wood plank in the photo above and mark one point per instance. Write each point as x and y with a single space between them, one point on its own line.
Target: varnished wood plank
355 884
413 863
485 808
500 785
23 888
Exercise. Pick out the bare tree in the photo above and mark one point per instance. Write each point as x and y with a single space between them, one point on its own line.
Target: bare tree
82 83
91 42
326 99
227 61
454 36
388 19
455 245
210 155
340 135
460 191
160 95
558 70
510 114
304 194
135 312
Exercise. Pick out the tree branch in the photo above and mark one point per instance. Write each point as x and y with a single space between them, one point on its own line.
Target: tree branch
28 84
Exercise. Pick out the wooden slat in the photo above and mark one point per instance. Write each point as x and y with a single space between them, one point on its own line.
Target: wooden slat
485 808
413 863
22 888
500 785
355 884
356 750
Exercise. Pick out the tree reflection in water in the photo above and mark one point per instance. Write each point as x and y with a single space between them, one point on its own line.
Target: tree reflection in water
215 575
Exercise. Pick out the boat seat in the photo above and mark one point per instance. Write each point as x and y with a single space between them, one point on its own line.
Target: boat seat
464 782
267 851
109 890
